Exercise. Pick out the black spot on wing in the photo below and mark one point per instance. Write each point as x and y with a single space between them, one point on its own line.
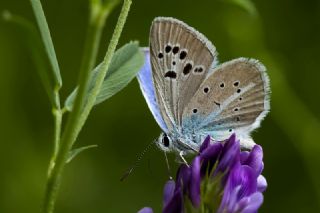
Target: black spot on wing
187 68
206 89
198 69
168 48
217 103
236 83
175 50
160 55
170 74
183 55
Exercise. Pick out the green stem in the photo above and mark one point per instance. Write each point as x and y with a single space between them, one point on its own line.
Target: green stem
105 64
76 119
61 151
57 115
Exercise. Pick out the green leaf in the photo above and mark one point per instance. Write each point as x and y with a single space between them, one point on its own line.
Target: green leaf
125 65
247 5
68 104
46 39
73 153
34 46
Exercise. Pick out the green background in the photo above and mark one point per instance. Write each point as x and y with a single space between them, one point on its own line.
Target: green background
283 34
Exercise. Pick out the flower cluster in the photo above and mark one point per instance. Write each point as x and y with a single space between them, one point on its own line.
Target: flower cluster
221 179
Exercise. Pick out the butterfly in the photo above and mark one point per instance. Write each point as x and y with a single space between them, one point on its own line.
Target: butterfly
191 96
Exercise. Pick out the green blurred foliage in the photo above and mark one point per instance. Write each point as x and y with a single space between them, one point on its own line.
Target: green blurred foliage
283 34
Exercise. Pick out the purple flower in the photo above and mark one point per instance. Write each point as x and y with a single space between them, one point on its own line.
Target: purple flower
221 178
146 210
173 198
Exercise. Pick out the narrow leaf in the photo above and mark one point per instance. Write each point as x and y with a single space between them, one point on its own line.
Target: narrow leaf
34 46
125 64
46 39
73 153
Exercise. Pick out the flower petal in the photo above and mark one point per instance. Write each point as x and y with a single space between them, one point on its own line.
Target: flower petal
194 186
209 158
146 210
245 177
230 155
205 144
229 201
168 192
254 160
240 184
244 156
183 177
253 203
261 183
212 151
175 205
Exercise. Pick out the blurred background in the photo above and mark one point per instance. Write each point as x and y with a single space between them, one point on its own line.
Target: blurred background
283 34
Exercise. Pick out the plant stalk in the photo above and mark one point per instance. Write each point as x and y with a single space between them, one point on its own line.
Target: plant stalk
105 64
57 116
77 118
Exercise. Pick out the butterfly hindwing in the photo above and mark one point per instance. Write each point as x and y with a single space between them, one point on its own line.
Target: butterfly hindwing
233 98
181 58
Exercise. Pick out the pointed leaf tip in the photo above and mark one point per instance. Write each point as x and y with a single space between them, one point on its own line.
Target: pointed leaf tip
73 153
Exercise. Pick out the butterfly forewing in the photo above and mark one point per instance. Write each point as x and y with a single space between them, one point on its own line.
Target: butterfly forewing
233 98
181 58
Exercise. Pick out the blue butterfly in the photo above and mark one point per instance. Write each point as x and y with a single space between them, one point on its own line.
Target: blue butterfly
190 96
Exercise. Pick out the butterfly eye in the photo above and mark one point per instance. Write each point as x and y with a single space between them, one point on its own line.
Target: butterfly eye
165 140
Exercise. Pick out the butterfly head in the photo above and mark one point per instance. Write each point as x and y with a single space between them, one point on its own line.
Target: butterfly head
164 142
175 142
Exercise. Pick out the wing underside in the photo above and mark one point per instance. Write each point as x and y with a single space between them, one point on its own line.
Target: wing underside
181 58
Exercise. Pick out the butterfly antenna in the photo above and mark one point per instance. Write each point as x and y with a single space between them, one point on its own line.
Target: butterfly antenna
130 170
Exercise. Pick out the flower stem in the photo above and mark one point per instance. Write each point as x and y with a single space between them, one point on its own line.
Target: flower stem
57 116
79 114
61 151
105 63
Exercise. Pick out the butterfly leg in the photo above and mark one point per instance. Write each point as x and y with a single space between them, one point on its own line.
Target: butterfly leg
189 147
181 154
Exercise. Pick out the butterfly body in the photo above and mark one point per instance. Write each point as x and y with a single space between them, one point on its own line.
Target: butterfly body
186 142
191 97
